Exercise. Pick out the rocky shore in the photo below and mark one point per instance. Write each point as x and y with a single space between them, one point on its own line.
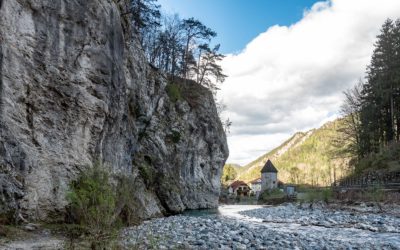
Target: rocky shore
322 217
255 227
282 227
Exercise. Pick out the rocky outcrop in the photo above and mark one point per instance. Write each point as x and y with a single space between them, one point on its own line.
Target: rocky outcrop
75 88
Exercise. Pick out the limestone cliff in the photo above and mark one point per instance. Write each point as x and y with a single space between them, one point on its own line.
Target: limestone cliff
75 88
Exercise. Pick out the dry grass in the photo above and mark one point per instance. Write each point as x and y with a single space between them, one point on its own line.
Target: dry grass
369 195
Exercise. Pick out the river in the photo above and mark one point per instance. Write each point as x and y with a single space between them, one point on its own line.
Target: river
273 227
228 211
255 227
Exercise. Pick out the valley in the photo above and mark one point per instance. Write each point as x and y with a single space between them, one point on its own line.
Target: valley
309 158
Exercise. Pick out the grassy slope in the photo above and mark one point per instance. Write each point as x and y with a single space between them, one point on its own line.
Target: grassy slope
306 158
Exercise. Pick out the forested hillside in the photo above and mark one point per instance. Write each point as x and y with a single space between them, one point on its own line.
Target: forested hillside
230 172
306 158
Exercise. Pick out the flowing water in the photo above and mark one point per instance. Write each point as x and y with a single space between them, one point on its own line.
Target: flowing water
231 211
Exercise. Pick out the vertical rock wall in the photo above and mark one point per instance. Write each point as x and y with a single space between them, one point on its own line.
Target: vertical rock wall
75 88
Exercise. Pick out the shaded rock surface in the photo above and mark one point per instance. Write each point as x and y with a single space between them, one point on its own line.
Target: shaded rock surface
36 242
75 88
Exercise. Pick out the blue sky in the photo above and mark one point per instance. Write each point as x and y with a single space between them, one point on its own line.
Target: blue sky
291 77
237 22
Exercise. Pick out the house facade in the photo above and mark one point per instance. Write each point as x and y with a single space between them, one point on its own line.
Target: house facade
269 177
255 186
239 188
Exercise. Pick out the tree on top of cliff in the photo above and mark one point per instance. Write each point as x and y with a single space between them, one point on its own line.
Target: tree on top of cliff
208 70
145 14
194 32
177 47
182 48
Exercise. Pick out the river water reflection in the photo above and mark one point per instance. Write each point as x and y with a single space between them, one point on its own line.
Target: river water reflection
231 211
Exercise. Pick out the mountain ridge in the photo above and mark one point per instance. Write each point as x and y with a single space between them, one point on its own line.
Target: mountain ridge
304 158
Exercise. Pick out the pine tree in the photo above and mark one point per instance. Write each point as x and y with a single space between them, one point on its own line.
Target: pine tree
178 47
194 30
379 102
209 72
396 78
145 14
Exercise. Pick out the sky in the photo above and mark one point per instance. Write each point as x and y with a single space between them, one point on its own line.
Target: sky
237 22
288 62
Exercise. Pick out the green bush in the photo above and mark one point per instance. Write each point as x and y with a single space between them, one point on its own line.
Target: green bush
387 158
93 205
272 194
146 173
126 201
375 194
174 92
327 194
313 195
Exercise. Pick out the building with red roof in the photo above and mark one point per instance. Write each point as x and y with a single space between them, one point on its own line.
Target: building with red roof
239 188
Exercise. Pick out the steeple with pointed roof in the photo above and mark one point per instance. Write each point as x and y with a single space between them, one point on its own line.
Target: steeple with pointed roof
269 168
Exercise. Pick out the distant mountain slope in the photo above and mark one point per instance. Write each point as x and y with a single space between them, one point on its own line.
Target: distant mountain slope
305 158
293 142
230 173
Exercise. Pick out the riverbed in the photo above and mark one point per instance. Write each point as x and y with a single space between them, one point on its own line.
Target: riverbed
288 226
265 227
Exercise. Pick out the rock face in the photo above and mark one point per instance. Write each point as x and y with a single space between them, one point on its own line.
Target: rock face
75 88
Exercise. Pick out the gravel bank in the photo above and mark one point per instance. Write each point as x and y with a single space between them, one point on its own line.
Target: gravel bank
323 217
282 227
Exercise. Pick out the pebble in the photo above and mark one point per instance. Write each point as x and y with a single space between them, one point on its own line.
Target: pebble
283 227
30 227
326 218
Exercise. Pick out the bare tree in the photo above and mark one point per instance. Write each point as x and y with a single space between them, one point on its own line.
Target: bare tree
349 132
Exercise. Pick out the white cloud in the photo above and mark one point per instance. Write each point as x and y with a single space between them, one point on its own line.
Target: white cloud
291 78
